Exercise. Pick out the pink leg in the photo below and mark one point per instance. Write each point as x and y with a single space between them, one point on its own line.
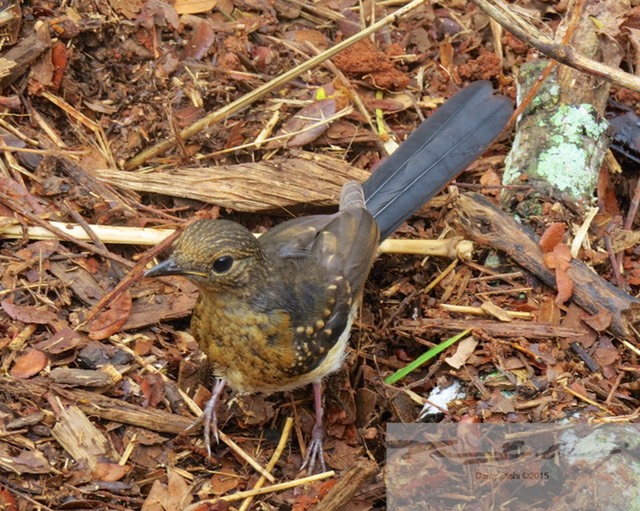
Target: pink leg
314 449
210 414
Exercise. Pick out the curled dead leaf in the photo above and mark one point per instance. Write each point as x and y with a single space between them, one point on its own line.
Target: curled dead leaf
551 237
112 320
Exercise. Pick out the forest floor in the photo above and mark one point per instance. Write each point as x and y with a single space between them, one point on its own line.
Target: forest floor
97 396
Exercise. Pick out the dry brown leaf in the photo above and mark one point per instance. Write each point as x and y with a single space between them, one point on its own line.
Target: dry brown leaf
551 237
194 6
29 364
152 388
311 35
492 179
600 321
110 472
171 497
22 461
201 41
63 340
225 480
112 320
465 349
28 314
310 122
564 283
606 353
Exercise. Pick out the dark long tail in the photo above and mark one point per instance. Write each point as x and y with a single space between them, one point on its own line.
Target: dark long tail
440 149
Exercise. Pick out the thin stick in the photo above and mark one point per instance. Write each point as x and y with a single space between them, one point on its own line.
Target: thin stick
110 234
560 52
61 234
587 400
263 491
266 88
238 450
286 431
479 311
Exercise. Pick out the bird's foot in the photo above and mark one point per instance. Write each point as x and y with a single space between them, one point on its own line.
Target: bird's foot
315 450
210 414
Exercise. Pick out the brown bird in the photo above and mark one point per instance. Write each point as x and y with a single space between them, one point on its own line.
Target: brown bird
275 312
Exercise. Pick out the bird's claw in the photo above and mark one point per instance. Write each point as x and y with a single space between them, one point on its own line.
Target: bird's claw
210 415
315 450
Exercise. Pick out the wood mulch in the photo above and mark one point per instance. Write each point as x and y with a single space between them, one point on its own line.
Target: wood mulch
100 376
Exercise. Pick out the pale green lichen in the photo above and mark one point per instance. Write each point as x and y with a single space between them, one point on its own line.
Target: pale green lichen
573 137
566 164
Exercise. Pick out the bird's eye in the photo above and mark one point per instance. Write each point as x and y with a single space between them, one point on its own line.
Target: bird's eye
223 264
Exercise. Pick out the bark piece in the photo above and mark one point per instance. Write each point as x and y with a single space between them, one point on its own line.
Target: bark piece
98 405
310 179
18 59
488 225
342 493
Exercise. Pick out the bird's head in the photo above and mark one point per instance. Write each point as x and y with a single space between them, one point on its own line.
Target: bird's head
214 254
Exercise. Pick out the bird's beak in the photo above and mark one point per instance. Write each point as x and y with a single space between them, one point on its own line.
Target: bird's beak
168 267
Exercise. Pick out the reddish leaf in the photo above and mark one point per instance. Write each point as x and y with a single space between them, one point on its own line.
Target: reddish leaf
143 346
7 501
386 104
17 192
64 340
188 115
59 60
152 387
560 260
303 35
600 321
563 282
29 364
606 353
551 237
548 312
201 41
110 472
226 480
111 320
27 314
606 193
492 179
158 14
174 496
563 256
634 277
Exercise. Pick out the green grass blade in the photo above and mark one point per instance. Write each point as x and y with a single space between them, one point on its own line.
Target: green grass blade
425 357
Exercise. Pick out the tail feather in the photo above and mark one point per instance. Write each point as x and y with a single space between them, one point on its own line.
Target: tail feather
435 153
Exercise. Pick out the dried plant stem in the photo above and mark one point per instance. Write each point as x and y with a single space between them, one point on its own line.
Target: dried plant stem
263 491
110 234
286 431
